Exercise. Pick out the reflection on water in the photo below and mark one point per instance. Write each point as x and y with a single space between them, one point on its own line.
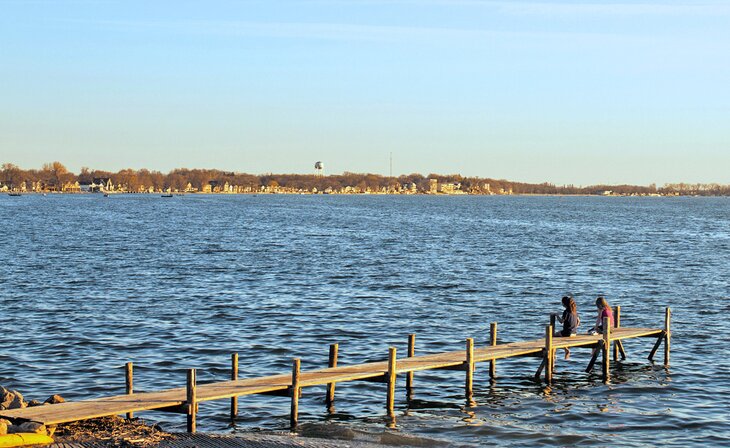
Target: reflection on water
90 283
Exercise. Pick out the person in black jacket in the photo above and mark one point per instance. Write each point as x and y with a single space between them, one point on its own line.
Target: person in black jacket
570 321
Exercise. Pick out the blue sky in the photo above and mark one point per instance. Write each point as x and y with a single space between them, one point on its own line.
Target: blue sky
558 91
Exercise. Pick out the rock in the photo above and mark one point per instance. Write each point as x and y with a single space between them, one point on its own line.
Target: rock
50 430
33 403
33 428
54 399
18 402
3 427
326 431
6 397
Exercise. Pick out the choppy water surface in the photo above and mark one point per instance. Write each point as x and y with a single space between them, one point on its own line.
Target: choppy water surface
89 283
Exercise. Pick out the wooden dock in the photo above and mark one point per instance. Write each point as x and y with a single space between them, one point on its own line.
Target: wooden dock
185 399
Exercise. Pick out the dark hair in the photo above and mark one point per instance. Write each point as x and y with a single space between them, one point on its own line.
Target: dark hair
570 305
602 302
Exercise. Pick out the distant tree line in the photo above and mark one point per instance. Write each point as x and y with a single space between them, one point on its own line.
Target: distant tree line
55 176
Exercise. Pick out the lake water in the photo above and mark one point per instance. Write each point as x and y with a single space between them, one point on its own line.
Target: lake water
88 283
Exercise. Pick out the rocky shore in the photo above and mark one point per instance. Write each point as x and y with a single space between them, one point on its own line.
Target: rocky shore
12 399
122 433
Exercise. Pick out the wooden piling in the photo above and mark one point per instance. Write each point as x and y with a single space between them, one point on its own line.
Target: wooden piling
493 342
598 348
234 377
667 335
392 366
616 324
409 375
469 383
553 318
192 407
129 377
658 342
606 349
295 392
332 362
549 353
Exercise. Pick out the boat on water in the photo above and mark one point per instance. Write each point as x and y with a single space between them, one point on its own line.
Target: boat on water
13 194
166 195
106 195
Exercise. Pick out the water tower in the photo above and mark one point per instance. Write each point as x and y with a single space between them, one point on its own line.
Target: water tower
319 169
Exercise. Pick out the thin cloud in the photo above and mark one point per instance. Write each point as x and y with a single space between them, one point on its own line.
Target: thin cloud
343 31
517 7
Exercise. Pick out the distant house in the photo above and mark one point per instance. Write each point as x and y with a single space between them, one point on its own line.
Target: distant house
451 188
71 187
433 186
100 184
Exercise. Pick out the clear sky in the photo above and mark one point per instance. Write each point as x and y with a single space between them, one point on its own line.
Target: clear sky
558 91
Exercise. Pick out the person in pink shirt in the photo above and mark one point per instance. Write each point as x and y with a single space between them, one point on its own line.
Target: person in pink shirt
604 310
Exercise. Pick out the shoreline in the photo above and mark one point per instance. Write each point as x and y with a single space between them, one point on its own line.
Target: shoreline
269 193
118 432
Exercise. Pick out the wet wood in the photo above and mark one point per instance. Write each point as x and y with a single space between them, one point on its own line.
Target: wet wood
658 342
295 392
616 324
606 349
553 318
596 351
549 354
493 343
234 377
332 363
469 365
667 335
541 367
392 366
409 375
129 379
191 401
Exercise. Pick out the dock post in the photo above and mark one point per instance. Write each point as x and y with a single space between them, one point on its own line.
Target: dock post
392 366
606 349
331 363
295 391
553 318
469 383
616 324
493 343
667 335
130 384
234 377
409 375
192 404
549 354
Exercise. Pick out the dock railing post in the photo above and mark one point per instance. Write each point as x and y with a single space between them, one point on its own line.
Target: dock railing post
331 363
192 406
606 348
392 366
469 382
549 353
295 390
667 335
234 377
553 318
129 377
409 375
493 343
616 324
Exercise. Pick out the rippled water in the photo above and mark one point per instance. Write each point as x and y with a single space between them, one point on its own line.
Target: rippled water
89 283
